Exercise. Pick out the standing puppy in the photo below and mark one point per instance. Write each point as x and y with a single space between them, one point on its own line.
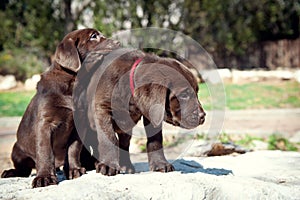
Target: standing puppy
137 85
46 132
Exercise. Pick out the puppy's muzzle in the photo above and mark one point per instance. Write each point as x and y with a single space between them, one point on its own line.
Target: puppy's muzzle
201 117
198 117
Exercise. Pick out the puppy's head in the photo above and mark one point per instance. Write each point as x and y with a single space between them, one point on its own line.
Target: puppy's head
171 95
75 46
182 105
183 108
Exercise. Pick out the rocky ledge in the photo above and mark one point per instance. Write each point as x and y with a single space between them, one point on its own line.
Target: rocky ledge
253 175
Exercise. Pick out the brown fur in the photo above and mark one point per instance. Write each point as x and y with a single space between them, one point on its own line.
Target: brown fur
46 133
165 91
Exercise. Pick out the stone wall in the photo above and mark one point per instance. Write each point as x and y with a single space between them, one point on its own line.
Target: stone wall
282 53
268 55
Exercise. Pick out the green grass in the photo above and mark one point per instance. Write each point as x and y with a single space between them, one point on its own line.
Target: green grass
14 103
277 142
262 95
274 141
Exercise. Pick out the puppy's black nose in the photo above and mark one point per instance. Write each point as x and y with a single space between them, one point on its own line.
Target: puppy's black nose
202 114
202 117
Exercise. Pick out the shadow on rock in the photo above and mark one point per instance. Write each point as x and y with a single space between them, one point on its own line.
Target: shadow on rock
189 166
185 167
181 165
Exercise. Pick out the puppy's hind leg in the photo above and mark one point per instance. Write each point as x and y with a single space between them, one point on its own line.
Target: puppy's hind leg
22 163
72 165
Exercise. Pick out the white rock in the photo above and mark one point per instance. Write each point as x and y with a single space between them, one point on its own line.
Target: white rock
30 84
254 175
297 76
259 145
7 82
211 76
255 75
283 74
238 76
225 73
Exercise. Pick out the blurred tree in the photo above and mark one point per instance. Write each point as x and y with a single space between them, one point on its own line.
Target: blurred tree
31 24
276 19
34 28
226 28
71 12
229 27
38 24
118 15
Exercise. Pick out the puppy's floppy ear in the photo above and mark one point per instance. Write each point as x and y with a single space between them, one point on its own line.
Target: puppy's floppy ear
152 103
67 56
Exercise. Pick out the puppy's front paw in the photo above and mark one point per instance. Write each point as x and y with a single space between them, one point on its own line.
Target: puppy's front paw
127 169
107 169
76 172
43 181
161 166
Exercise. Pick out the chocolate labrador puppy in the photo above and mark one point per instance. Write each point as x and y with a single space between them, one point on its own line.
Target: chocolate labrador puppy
46 133
137 84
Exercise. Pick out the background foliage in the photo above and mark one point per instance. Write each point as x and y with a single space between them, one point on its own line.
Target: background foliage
226 27
20 63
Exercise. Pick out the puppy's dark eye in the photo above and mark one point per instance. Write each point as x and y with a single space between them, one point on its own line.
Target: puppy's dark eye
184 96
94 36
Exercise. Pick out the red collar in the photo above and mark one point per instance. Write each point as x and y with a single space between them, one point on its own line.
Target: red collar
131 77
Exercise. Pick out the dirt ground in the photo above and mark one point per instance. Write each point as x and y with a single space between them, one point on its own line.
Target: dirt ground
6 143
252 122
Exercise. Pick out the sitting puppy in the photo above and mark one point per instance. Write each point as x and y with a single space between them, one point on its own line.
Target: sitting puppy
46 132
137 84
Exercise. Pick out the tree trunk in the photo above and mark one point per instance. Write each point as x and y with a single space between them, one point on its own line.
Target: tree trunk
69 21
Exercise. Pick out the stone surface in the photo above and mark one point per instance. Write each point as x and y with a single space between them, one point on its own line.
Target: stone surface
7 82
261 75
297 76
254 175
30 84
238 76
259 145
225 74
